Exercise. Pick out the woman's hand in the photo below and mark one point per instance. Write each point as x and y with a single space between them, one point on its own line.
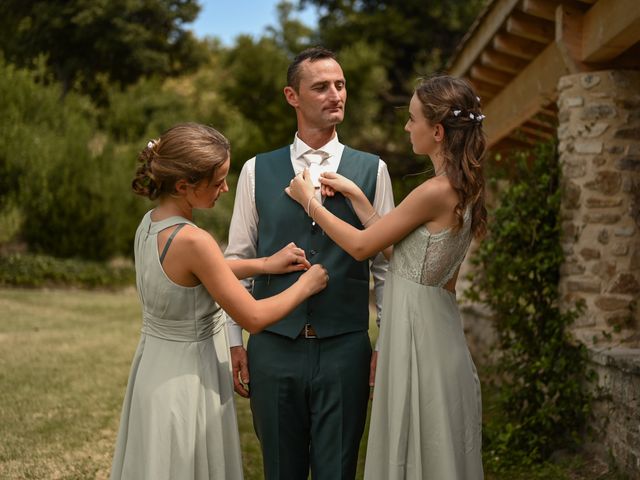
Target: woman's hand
288 259
301 189
315 279
331 182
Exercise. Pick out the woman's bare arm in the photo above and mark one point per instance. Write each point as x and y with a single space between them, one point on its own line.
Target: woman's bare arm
288 259
425 203
201 255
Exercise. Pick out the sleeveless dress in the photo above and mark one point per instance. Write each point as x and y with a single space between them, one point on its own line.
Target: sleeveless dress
178 418
426 419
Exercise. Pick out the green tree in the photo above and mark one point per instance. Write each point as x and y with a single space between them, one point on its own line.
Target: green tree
291 35
414 35
62 177
255 73
91 43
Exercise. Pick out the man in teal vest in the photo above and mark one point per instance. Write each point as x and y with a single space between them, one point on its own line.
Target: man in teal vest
309 373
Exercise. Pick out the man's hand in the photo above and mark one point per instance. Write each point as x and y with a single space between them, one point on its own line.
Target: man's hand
240 368
372 370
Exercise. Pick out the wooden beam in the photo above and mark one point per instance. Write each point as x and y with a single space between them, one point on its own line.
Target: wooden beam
481 36
516 47
531 28
484 89
502 62
609 28
489 75
548 114
630 59
545 9
569 37
508 147
536 132
541 123
526 95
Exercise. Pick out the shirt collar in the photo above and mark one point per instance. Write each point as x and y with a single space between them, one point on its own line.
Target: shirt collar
300 148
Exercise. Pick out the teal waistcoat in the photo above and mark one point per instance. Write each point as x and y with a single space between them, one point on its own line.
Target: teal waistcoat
343 306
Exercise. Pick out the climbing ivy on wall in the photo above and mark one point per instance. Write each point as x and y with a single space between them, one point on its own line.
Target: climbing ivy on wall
540 372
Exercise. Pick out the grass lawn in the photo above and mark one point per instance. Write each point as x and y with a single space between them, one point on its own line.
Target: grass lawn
64 362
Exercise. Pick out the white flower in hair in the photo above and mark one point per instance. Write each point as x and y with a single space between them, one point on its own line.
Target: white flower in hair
478 98
151 143
481 117
456 112
471 116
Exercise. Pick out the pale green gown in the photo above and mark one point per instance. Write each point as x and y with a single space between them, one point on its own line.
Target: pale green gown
178 419
426 420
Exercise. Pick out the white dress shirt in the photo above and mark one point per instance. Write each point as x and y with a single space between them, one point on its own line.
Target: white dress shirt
243 231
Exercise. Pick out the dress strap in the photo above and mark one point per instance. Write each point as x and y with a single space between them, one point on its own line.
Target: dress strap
155 227
166 245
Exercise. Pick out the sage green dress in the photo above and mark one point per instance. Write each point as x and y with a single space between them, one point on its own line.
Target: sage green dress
426 419
178 419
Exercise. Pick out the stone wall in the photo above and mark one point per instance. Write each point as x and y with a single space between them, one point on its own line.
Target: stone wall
616 407
599 145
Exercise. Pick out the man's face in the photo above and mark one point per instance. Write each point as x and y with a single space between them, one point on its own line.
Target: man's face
322 94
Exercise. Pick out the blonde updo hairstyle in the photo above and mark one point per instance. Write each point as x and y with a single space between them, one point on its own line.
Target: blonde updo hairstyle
452 103
188 151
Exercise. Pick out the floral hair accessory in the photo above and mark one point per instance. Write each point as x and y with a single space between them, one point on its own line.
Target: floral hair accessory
481 117
472 116
151 143
478 98
456 112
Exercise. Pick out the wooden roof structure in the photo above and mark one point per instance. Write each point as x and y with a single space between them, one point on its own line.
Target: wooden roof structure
517 50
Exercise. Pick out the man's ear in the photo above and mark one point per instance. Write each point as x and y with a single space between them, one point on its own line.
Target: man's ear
291 96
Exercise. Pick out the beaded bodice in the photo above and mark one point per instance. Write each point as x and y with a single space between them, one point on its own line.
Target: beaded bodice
431 259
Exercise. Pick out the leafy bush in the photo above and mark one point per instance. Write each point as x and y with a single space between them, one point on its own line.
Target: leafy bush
69 183
540 371
43 271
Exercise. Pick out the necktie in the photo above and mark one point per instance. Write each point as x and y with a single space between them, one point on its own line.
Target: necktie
314 159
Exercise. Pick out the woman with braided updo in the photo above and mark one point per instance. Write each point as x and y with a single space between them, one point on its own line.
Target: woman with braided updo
178 419
426 417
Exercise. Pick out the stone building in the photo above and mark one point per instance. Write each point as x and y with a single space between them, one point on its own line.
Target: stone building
571 70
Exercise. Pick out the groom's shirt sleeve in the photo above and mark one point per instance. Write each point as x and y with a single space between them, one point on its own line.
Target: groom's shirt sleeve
383 203
243 234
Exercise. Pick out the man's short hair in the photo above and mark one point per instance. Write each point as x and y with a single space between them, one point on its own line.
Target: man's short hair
312 54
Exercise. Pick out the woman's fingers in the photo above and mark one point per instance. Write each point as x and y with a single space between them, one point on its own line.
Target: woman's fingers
327 191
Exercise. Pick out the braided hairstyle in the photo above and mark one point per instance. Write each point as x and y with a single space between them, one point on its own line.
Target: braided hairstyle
187 151
453 103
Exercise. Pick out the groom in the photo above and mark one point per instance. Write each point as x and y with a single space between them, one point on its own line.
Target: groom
310 373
